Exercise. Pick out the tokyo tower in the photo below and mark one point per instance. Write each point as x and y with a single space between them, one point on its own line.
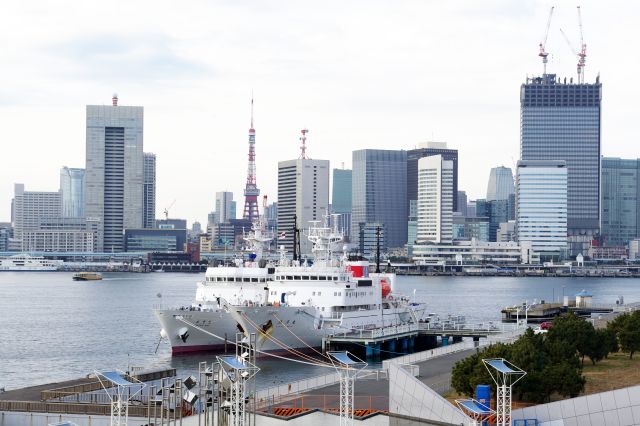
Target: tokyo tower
251 191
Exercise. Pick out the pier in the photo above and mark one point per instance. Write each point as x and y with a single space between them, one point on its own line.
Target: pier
404 339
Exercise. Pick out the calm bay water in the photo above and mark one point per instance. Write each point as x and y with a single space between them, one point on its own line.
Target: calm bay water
53 328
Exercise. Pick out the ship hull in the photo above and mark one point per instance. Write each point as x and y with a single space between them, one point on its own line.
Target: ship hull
279 329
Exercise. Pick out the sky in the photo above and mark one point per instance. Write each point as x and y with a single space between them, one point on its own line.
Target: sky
357 73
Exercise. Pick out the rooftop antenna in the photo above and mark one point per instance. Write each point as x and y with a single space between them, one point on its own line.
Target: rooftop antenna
543 53
303 146
114 99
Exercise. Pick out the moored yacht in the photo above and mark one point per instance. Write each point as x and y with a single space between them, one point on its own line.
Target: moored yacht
26 263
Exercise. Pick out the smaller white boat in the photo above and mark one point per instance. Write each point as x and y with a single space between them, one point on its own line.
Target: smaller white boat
26 263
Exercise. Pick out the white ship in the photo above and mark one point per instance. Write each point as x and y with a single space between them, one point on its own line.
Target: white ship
26 263
291 304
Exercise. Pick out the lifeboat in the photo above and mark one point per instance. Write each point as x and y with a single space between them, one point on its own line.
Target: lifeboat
385 287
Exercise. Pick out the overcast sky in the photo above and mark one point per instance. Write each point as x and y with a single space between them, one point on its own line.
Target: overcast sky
358 74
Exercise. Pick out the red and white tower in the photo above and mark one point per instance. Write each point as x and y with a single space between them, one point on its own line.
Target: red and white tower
251 191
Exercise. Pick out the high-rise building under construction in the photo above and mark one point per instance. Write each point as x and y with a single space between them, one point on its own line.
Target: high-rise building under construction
560 120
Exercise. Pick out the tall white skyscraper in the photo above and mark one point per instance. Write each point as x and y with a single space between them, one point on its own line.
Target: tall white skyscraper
435 200
72 191
149 192
114 171
303 191
225 206
541 212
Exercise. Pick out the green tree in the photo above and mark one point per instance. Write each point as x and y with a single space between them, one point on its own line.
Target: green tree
627 331
601 345
552 366
574 330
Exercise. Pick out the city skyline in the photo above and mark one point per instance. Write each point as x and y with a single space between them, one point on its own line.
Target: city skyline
186 74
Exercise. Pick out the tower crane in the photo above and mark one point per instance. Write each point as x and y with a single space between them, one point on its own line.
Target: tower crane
166 210
582 54
543 53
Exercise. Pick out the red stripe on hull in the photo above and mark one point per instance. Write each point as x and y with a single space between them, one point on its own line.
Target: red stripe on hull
199 348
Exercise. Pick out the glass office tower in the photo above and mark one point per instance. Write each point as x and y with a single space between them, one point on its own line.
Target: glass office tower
620 195
379 193
560 120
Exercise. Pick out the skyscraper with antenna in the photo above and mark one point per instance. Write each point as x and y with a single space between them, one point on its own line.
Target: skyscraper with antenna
251 191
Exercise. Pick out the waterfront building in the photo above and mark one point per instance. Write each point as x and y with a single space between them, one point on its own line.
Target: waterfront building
472 251
379 194
72 191
155 240
225 206
607 253
426 150
30 207
500 185
149 191
114 171
461 205
341 199
620 197
435 200
541 217
506 231
561 121
62 234
78 241
303 196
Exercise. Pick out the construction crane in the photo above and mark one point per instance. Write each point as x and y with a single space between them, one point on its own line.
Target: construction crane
582 54
166 210
543 53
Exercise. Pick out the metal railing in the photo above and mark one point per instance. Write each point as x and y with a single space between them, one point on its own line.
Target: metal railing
489 327
68 408
375 333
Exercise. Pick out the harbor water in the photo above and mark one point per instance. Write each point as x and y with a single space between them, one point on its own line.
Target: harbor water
53 328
